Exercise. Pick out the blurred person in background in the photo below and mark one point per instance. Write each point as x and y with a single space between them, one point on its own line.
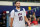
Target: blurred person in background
29 15
34 15
29 18
38 19
35 22
18 16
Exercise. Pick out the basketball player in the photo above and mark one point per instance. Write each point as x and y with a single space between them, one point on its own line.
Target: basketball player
18 16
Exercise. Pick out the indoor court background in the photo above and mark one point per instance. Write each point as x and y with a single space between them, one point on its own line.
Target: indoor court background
7 6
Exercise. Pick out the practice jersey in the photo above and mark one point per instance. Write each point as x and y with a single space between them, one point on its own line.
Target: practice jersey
18 16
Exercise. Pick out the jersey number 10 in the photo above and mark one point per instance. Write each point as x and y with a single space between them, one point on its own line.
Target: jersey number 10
20 18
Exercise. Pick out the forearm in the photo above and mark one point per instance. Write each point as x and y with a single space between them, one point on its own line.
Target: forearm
27 20
11 22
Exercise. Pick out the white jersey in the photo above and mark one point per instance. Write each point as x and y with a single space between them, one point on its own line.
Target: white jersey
18 16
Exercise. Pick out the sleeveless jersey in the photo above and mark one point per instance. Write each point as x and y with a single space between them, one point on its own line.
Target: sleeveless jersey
19 18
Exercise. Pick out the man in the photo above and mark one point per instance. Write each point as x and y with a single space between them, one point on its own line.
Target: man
18 16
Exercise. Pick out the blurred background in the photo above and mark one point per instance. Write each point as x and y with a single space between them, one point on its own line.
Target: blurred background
32 8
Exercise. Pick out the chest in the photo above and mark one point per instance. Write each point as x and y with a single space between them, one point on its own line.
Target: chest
19 13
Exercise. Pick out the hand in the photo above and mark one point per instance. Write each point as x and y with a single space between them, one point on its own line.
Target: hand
29 24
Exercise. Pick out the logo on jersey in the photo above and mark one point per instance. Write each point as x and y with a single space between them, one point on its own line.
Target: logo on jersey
20 17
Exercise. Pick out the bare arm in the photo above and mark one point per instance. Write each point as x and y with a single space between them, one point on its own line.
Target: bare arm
11 16
27 20
11 22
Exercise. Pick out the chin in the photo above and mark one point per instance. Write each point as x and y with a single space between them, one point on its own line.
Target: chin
18 7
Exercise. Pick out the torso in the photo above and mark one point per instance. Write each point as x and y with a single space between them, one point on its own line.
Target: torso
19 18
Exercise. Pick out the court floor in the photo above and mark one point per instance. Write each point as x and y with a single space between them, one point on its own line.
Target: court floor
35 25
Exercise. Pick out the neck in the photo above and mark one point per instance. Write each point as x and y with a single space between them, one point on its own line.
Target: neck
17 8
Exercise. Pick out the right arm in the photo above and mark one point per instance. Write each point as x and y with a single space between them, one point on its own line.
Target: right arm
11 17
11 22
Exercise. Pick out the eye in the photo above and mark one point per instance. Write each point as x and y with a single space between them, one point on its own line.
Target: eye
19 3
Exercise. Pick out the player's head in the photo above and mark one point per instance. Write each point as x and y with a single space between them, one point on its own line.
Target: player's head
17 4
33 13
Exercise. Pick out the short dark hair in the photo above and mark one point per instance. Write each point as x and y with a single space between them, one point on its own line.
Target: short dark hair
16 1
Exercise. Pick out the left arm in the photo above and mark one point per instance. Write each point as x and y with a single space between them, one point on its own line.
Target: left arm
27 20
26 17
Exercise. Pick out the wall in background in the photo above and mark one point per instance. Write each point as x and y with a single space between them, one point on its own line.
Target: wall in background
8 6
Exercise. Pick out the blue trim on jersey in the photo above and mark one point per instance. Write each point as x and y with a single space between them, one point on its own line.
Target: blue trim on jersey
21 9
17 10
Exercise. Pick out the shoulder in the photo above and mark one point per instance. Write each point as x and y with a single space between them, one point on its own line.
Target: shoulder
12 11
23 9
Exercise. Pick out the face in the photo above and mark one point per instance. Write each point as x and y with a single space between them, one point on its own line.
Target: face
34 13
17 4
